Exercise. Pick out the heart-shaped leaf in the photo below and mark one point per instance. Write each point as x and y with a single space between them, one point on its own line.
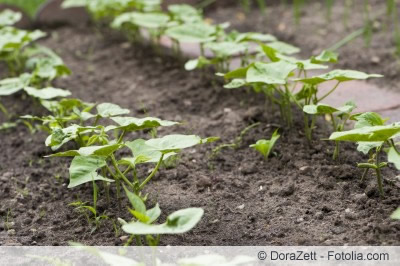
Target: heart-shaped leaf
110 110
83 170
185 13
173 143
192 33
271 73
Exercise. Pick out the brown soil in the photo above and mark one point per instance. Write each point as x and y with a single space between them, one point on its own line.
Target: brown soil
298 197
315 33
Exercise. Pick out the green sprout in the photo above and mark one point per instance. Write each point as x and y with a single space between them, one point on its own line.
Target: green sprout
264 146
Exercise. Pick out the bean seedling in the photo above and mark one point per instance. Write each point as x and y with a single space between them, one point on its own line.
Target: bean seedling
264 146
372 134
178 222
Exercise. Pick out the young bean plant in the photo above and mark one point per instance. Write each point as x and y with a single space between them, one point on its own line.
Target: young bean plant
264 146
337 116
96 156
143 223
373 138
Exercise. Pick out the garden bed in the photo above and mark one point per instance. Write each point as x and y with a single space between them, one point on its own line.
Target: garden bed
297 197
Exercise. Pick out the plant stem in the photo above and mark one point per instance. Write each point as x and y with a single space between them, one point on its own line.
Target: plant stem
378 172
4 110
152 173
329 92
138 240
121 136
115 164
364 174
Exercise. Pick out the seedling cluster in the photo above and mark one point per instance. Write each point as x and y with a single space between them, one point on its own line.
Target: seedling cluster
31 67
268 67
101 133
108 157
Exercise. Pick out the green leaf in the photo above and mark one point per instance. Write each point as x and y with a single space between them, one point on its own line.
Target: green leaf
325 56
61 136
394 157
135 124
375 133
10 86
339 75
271 73
110 110
301 64
178 222
144 153
368 119
192 33
74 3
153 214
235 83
237 73
347 108
254 37
226 49
145 20
83 170
47 93
9 17
103 151
284 48
265 146
185 13
173 143
396 214
135 201
319 109
199 62
365 147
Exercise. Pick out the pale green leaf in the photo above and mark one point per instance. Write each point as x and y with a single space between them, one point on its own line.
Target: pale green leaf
375 133
83 170
110 110
270 73
47 93
226 49
339 75
394 157
192 33
396 214
325 56
178 222
319 109
173 143
135 124
235 83
9 17
145 20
